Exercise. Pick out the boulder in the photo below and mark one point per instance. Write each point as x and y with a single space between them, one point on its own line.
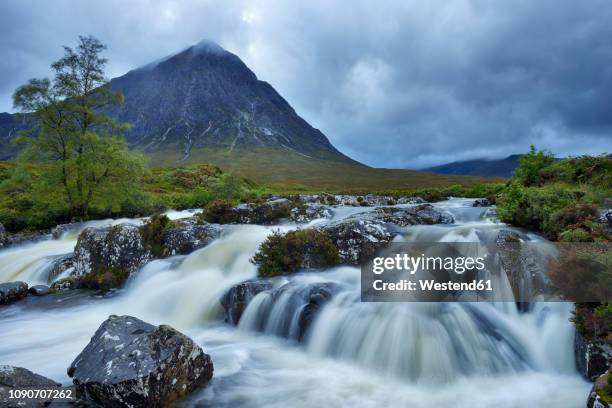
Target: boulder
237 298
39 290
131 363
310 211
18 378
593 356
318 295
410 200
61 264
63 285
481 202
12 291
119 248
358 239
188 235
268 213
422 214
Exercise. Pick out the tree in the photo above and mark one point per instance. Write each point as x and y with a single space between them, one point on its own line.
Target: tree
528 171
82 145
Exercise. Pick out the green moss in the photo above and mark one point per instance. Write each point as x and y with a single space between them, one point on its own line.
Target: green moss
295 250
103 280
152 233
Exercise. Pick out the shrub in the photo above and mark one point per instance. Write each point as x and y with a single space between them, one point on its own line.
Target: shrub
295 250
220 212
153 233
528 171
533 207
583 272
575 216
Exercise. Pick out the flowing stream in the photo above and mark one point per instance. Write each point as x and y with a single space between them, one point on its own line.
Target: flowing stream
354 354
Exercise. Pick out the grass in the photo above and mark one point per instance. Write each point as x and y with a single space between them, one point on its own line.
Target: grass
283 171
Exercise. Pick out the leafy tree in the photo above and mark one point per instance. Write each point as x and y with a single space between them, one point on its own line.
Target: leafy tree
87 156
528 171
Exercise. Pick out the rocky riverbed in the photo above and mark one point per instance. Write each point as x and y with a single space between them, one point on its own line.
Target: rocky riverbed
161 320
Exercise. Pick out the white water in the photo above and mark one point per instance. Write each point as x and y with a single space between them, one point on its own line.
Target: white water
355 355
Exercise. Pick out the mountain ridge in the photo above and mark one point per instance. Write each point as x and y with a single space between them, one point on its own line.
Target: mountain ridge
479 167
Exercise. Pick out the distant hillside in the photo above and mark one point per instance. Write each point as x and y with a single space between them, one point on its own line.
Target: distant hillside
480 167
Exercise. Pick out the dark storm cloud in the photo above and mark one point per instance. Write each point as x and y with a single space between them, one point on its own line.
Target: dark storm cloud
394 83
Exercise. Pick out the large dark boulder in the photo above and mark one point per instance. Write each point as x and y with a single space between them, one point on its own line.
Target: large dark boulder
187 235
119 250
593 356
358 239
237 298
39 290
12 291
422 214
130 363
19 378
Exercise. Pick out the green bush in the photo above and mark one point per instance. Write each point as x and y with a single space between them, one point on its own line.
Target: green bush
296 250
219 212
152 233
533 207
528 171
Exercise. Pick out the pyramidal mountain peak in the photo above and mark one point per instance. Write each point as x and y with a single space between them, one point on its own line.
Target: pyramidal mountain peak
205 97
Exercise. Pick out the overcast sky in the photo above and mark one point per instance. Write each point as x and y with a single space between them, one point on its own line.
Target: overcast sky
391 83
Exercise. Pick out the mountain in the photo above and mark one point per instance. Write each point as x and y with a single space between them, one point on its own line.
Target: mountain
204 105
480 167
206 98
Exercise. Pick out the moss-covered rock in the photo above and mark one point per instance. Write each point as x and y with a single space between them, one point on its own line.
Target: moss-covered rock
295 250
105 257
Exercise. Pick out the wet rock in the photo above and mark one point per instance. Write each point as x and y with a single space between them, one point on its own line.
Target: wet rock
18 378
188 236
359 239
422 214
490 214
118 248
23 238
132 363
271 212
39 290
3 236
410 200
593 356
63 285
599 395
525 271
318 295
310 211
236 300
326 199
12 291
481 202
605 218
62 229
61 264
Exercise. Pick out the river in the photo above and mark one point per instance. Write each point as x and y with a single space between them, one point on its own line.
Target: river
354 355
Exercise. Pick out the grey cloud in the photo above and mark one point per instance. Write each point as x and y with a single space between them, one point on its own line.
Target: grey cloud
393 84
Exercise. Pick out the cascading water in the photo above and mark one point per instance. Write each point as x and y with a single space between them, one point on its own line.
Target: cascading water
353 353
